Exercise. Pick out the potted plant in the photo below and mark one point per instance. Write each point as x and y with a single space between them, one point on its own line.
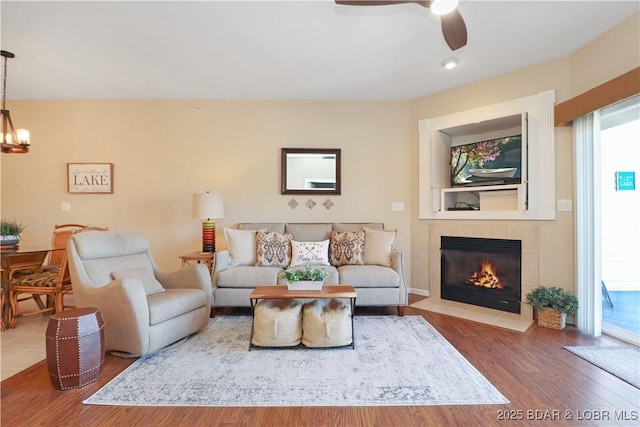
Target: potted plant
305 278
553 305
10 231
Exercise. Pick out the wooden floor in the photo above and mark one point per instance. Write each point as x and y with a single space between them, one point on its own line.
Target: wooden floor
546 385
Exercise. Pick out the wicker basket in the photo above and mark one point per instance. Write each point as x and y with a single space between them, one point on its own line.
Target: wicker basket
551 318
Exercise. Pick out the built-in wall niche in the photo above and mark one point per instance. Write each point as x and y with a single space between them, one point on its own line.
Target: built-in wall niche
514 185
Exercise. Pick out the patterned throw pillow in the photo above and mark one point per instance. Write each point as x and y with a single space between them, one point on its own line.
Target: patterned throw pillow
346 248
273 249
309 253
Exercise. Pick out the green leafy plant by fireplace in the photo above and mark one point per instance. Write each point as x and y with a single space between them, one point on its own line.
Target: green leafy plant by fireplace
306 273
553 297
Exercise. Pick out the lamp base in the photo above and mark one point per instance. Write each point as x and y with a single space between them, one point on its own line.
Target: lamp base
208 236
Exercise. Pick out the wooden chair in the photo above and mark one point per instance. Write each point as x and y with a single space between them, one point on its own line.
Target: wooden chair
3 326
59 239
27 277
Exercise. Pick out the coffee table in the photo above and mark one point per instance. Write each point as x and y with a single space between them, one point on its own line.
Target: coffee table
282 292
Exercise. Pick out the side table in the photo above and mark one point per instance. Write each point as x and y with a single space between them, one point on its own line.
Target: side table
75 347
199 258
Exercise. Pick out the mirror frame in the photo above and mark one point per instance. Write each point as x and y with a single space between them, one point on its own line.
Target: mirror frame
283 170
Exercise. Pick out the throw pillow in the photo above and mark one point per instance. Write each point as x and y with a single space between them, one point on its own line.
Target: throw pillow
309 253
346 248
241 245
146 276
273 249
378 245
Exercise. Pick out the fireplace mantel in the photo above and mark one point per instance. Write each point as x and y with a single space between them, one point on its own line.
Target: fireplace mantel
528 235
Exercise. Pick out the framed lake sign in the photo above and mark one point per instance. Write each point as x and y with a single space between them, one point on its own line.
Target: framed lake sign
90 178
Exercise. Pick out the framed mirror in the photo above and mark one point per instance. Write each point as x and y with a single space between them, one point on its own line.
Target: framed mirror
310 171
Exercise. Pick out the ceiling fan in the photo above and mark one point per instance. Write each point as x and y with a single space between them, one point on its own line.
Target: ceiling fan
454 29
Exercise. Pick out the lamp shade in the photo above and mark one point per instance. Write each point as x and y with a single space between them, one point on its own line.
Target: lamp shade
208 206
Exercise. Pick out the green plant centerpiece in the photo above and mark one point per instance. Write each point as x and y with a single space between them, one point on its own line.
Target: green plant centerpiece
10 231
305 278
553 305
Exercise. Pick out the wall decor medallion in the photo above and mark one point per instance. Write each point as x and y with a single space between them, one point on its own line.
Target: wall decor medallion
310 203
327 204
292 203
90 178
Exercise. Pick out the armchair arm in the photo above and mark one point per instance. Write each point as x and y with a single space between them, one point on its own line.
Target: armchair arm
123 304
191 276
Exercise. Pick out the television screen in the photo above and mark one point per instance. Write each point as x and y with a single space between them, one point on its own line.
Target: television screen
492 162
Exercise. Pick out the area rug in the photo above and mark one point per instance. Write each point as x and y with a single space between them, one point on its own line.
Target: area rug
622 361
396 361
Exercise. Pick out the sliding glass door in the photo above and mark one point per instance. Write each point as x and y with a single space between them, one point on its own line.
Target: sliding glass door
619 225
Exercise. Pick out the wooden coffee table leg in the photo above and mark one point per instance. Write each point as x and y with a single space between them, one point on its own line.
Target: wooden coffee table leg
353 335
254 301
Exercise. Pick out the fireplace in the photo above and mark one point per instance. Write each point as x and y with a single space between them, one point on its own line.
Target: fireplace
482 272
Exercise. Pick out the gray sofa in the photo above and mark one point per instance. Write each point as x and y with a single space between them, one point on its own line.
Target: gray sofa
378 277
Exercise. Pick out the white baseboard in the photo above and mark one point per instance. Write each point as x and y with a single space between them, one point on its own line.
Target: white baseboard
421 292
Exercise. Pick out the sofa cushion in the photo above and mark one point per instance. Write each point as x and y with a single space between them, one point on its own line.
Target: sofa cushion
378 245
311 232
309 253
369 276
346 248
174 302
342 227
247 277
269 227
146 276
242 246
273 249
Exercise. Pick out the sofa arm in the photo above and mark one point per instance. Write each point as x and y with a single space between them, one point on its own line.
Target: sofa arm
221 261
194 276
397 263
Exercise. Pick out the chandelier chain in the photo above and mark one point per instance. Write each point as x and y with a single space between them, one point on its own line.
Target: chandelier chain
4 84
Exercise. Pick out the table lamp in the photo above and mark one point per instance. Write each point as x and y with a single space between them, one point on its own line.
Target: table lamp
208 207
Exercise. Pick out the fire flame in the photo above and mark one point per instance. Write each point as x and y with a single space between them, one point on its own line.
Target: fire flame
486 277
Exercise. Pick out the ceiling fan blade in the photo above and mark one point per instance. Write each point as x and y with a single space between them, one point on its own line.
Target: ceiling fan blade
380 2
454 29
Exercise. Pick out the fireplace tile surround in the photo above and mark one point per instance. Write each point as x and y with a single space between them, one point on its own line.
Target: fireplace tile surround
529 235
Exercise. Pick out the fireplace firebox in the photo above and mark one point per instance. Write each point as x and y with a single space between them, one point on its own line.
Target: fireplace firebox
482 272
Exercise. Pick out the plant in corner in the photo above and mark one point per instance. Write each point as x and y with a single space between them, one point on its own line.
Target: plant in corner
10 231
553 305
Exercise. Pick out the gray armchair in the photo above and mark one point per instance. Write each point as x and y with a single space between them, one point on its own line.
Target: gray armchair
143 308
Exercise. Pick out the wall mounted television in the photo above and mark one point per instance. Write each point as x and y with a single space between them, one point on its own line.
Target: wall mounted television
490 162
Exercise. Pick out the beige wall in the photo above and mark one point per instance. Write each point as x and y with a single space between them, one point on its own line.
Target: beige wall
164 151
612 54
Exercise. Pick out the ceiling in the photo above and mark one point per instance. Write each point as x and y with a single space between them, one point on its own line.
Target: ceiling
279 50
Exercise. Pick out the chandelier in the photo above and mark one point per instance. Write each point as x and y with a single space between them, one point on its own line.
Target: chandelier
13 140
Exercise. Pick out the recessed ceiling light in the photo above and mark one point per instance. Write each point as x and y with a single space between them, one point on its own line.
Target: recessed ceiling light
442 7
450 63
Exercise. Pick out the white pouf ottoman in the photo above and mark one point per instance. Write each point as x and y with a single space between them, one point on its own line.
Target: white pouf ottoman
326 323
277 323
